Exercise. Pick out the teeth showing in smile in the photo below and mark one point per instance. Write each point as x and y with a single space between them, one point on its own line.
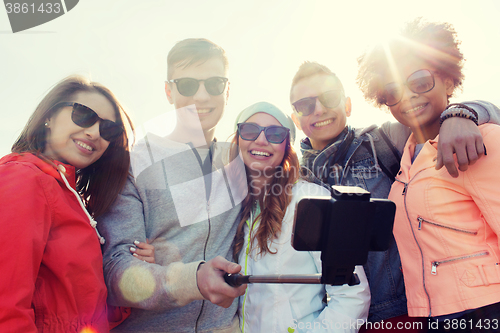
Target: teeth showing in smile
260 153
323 123
202 111
83 145
415 109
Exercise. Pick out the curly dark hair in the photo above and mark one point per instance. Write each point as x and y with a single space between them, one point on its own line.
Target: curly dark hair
432 42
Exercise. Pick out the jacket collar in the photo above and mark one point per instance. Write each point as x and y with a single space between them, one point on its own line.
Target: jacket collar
425 159
45 166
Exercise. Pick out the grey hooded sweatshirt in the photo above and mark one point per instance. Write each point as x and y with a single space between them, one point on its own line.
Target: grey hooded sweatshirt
186 202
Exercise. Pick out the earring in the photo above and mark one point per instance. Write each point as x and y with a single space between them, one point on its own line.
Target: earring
47 124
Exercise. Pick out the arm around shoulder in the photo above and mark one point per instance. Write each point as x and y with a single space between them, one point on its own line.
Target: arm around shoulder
487 112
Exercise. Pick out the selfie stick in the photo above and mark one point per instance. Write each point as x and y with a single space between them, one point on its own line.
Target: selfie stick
235 280
349 218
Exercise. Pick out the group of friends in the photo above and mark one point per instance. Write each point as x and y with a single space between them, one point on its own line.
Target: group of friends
99 236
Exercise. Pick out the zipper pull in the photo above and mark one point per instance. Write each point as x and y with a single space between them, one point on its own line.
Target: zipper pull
419 219
404 189
435 264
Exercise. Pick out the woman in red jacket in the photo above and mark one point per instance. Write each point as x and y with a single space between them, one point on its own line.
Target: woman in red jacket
447 228
66 168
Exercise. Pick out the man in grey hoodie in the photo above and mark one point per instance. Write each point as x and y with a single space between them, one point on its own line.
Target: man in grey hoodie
184 200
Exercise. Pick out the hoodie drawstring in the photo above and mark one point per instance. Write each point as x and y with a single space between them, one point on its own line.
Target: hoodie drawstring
93 223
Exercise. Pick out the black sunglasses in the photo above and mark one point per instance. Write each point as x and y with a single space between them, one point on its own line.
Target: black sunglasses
329 99
187 86
85 117
419 82
273 133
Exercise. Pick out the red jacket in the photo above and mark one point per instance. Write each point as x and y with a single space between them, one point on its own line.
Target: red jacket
51 261
448 229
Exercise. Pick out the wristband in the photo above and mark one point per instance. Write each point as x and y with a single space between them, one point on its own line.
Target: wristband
459 110
461 106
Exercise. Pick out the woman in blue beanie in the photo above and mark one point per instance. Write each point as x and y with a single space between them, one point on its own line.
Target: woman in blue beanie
264 141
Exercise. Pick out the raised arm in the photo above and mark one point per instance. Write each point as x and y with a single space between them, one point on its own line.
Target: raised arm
458 136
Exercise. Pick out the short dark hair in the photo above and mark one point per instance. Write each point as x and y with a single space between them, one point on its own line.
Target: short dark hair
311 68
191 51
435 43
101 182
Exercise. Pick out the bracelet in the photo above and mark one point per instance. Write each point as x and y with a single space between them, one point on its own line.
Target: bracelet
461 106
459 110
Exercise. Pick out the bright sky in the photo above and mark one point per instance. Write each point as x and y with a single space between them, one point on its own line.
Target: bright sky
123 44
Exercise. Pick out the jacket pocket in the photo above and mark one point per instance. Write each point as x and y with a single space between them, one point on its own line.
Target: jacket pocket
481 275
437 263
422 221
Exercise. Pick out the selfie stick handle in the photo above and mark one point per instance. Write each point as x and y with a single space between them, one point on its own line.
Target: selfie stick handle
236 280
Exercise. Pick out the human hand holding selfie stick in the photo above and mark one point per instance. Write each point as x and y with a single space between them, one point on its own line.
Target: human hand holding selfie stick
343 227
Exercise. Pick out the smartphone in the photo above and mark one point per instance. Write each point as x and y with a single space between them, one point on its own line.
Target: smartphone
348 222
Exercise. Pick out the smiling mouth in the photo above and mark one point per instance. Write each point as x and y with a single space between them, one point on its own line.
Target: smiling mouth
323 123
260 153
85 146
415 109
203 111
